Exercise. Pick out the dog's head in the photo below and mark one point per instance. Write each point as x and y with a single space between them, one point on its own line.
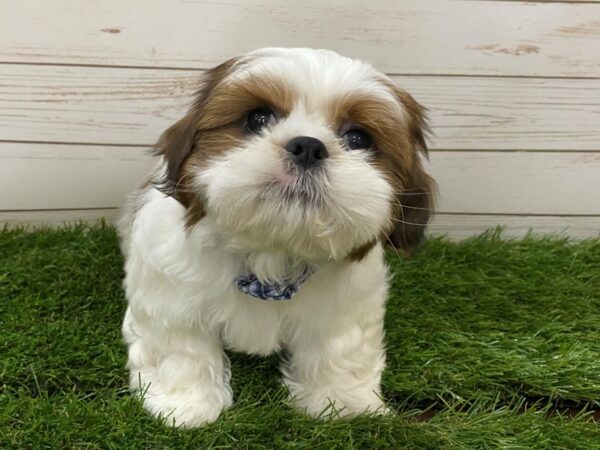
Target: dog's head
304 151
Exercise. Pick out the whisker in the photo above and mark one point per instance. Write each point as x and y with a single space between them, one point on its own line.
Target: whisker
418 193
402 212
414 207
410 223
393 246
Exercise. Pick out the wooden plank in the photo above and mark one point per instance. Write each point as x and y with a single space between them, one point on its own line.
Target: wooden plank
61 177
83 104
454 226
474 113
457 226
397 36
517 182
79 176
133 106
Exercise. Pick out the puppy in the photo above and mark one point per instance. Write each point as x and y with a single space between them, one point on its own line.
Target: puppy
263 229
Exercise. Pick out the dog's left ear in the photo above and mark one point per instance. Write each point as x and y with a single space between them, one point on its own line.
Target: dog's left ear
415 202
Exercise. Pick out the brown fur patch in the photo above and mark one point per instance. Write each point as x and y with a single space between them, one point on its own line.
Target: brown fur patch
231 101
210 143
177 143
399 137
213 125
359 253
415 198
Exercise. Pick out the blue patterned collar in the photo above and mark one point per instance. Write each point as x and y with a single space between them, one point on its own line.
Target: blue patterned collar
250 285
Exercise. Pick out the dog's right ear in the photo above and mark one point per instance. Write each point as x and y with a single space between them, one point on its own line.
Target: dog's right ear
179 141
175 145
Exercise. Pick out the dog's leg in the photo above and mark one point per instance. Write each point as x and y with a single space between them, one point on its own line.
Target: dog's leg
182 375
340 366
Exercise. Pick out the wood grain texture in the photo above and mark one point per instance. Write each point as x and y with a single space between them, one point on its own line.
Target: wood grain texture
397 36
34 176
66 177
517 183
133 106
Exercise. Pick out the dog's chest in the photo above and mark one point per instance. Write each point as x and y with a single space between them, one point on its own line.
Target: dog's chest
254 326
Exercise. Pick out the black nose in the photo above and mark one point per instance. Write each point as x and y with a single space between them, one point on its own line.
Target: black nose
306 151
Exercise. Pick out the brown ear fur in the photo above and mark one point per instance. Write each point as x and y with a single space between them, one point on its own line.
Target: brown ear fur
415 202
177 143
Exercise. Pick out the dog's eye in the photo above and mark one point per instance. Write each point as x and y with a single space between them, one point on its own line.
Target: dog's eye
355 139
259 118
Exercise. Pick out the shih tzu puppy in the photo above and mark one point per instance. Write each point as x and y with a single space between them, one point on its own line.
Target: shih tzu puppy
263 229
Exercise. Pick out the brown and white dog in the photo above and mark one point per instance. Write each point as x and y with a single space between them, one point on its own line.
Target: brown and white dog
263 229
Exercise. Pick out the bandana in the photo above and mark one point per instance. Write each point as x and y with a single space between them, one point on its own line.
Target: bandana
250 285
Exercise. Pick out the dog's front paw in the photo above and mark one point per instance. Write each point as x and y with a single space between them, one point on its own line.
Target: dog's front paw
188 407
327 402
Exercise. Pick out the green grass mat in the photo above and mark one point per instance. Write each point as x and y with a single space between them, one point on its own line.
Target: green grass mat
499 341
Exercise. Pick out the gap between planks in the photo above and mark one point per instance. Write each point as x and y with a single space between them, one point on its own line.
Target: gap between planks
436 150
441 213
391 74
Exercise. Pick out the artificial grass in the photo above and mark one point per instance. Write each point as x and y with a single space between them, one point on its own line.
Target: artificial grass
493 338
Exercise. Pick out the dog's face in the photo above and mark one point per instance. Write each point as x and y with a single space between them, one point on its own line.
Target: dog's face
303 151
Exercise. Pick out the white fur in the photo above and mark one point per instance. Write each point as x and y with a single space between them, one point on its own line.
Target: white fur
184 308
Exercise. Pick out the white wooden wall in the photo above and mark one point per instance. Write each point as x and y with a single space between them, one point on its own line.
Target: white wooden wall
513 90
